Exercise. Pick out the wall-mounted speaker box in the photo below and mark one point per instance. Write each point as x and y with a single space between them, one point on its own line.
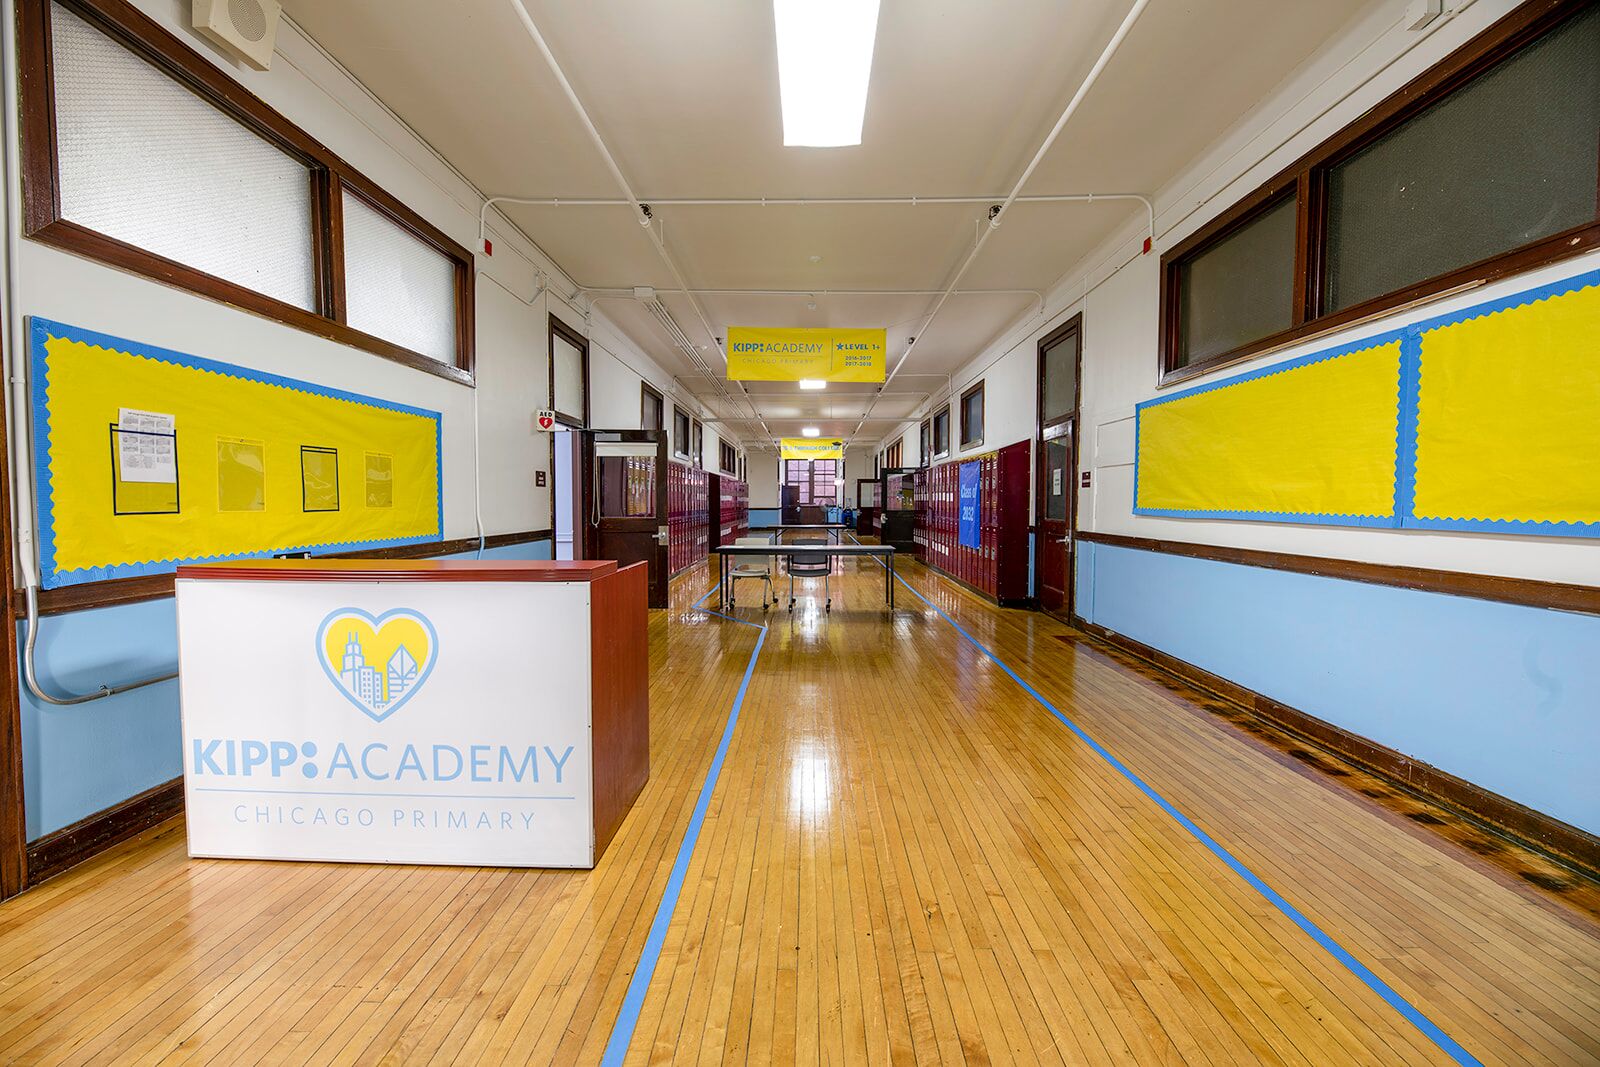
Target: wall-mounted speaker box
245 29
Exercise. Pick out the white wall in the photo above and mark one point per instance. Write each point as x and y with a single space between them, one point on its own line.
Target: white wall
1117 291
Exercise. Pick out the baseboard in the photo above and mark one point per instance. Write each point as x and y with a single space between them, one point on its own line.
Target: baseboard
1543 833
71 845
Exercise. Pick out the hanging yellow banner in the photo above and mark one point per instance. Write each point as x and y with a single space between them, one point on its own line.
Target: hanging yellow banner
811 448
776 354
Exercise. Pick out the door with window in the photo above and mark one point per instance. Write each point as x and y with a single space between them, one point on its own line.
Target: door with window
625 501
1055 482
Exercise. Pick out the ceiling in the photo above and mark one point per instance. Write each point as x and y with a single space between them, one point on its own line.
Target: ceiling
686 97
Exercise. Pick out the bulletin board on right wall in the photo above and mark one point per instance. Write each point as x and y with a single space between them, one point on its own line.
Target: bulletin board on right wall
1486 419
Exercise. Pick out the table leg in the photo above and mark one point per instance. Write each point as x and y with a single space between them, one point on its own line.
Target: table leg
722 582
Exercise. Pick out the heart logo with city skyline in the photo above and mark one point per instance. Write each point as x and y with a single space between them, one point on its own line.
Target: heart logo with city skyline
378 663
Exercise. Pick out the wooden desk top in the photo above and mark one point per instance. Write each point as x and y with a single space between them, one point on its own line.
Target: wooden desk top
399 570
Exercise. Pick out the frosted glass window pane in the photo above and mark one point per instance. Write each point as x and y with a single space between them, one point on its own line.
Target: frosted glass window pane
147 162
1241 288
396 285
1061 378
1507 160
569 376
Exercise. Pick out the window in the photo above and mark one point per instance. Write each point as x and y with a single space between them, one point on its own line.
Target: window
1486 165
972 416
1239 288
925 442
680 432
941 432
729 457
140 154
697 443
814 478
569 374
893 454
652 408
397 286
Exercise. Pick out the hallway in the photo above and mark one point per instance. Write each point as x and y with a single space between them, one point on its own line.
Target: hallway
905 857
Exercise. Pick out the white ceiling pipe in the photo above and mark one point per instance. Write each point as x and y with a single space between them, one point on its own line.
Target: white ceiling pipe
641 212
997 215
814 201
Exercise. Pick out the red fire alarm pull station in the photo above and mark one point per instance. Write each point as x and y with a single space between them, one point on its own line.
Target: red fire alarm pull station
488 247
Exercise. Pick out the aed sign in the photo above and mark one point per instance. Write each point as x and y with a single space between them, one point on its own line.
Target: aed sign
776 354
811 448
387 722
545 419
970 532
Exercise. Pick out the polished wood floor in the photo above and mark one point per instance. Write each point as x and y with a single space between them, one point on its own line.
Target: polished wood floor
906 859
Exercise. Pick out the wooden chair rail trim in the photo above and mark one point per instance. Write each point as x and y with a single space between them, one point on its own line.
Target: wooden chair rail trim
1527 592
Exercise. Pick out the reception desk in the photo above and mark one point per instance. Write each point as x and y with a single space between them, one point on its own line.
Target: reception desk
412 711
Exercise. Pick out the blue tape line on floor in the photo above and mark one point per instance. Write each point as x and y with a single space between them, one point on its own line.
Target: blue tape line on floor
650 955
1445 1042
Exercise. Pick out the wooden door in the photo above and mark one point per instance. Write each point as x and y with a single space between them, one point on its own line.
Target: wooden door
1056 476
625 502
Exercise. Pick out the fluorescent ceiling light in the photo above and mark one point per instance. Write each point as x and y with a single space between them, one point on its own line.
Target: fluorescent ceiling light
810 431
824 64
813 383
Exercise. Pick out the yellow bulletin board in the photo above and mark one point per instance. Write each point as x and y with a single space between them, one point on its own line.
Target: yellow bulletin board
146 458
1314 440
1508 417
1483 419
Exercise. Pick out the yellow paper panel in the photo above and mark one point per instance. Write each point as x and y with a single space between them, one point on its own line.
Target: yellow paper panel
241 475
810 448
380 480
1319 439
319 477
241 483
1508 420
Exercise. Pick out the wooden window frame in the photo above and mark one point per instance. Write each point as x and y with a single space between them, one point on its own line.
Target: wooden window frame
942 413
697 443
646 394
1307 178
581 343
330 176
680 447
894 454
925 442
967 439
728 457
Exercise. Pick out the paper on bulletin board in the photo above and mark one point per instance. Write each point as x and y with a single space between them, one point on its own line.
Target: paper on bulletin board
240 486
147 450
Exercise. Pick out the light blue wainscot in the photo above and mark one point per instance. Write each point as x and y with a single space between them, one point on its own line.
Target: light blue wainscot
1506 697
80 760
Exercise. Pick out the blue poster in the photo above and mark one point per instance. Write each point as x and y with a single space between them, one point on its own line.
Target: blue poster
968 499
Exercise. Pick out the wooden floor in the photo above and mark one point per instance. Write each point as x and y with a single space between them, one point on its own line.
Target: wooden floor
906 858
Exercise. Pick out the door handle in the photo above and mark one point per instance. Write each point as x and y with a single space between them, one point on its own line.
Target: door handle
1064 541
662 537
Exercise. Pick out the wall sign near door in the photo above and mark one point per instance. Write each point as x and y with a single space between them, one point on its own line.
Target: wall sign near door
544 419
1055 482
1083 479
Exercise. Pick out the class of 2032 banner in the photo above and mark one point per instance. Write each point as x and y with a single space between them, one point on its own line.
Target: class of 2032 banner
762 354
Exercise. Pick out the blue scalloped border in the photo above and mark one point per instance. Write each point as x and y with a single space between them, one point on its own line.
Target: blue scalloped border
41 330
1404 515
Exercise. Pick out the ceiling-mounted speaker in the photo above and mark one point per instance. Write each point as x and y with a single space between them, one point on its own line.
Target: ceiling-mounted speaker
243 28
